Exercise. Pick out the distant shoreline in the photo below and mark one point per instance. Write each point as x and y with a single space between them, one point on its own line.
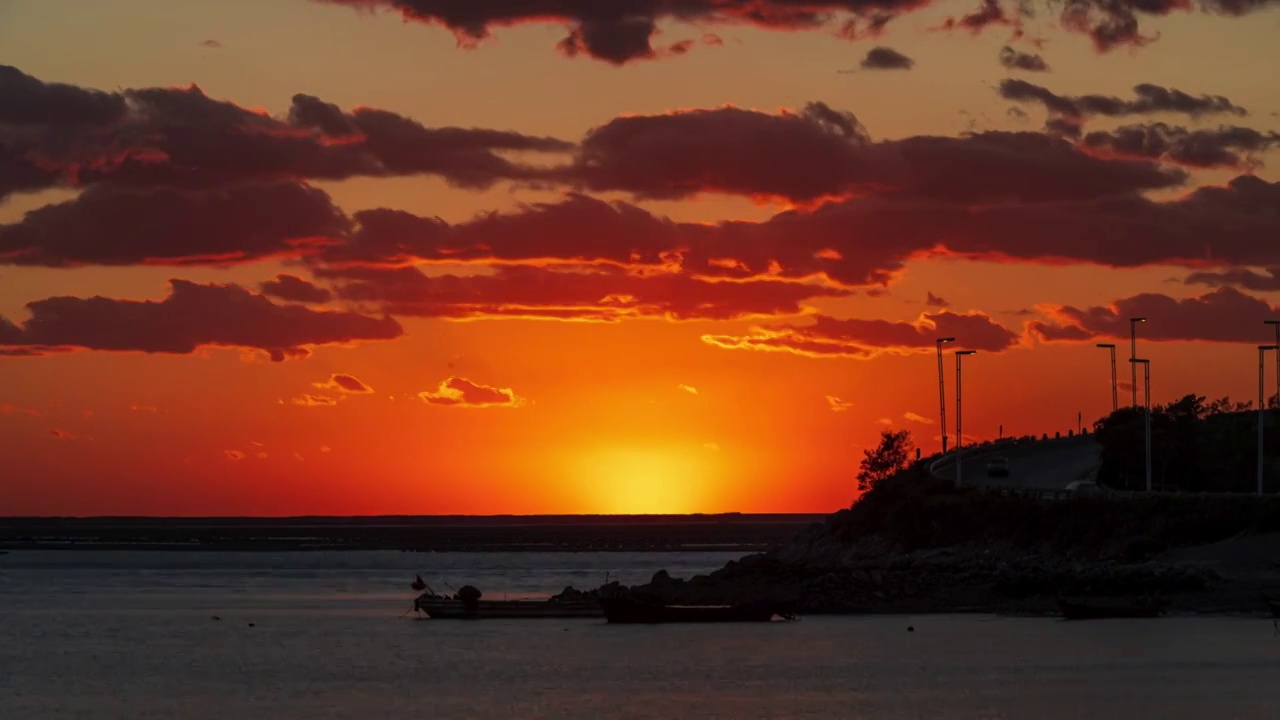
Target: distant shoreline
732 533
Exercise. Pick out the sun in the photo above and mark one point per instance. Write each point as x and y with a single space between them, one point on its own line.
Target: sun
635 481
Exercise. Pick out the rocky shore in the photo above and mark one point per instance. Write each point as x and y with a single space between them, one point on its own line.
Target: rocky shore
917 547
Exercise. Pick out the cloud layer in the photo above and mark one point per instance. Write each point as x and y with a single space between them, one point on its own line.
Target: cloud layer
460 392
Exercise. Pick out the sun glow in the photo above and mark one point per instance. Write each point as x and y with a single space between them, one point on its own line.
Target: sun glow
632 481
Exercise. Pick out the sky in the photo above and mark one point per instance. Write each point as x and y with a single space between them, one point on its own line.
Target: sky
354 257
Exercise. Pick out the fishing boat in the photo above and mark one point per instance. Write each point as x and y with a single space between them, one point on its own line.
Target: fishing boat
632 611
467 604
1099 609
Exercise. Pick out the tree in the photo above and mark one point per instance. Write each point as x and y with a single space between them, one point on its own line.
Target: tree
889 457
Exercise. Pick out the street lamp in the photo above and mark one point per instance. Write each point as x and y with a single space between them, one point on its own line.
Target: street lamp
1262 406
942 394
1276 324
1133 355
959 415
1146 403
1115 399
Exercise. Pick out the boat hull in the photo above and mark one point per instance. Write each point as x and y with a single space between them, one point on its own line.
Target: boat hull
1098 610
506 609
623 611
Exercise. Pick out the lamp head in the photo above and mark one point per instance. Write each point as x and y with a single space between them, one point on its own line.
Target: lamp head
945 340
1106 345
1271 322
1139 319
1269 347
1139 360
966 352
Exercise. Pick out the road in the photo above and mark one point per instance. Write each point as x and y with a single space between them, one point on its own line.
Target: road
1051 464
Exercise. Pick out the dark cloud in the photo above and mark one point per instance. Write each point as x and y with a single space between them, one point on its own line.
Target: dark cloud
107 225
858 338
181 137
1017 60
596 293
193 316
460 392
821 152
346 384
1208 147
25 100
1224 315
884 58
1266 281
211 43
1148 99
859 241
295 289
935 301
989 12
621 32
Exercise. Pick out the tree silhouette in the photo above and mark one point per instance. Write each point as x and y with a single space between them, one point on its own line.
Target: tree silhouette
889 457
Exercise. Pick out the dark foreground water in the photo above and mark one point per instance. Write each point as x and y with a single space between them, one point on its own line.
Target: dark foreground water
130 635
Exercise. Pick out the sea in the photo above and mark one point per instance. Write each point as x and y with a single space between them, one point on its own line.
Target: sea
140 634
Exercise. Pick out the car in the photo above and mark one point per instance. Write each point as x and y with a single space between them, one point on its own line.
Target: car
998 467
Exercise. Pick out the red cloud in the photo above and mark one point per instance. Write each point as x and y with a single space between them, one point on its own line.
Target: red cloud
193 316
309 400
295 289
460 392
858 338
1224 315
591 293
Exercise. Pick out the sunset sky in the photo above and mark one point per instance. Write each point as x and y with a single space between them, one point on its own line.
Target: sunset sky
568 256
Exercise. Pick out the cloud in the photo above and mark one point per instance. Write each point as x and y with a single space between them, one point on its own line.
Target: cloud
601 293
211 43
689 389
460 392
1203 148
308 400
884 58
28 101
820 152
1224 315
144 408
884 421
917 418
113 226
234 455
12 409
1017 60
713 447
838 405
862 339
1148 99
295 289
64 434
191 317
346 384
180 137
618 32
935 301
1266 281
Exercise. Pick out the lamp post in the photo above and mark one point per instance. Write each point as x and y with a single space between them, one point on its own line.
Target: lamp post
1146 403
1133 355
1276 325
1262 406
1115 398
942 394
959 413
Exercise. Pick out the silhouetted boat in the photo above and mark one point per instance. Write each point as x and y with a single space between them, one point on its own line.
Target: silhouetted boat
1273 605
467 605
1099 609
628 610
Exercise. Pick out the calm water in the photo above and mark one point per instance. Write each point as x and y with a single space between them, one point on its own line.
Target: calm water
129 635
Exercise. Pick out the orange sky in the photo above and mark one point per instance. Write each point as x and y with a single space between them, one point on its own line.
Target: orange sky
718 339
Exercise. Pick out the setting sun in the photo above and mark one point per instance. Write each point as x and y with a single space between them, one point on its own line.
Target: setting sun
637 481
